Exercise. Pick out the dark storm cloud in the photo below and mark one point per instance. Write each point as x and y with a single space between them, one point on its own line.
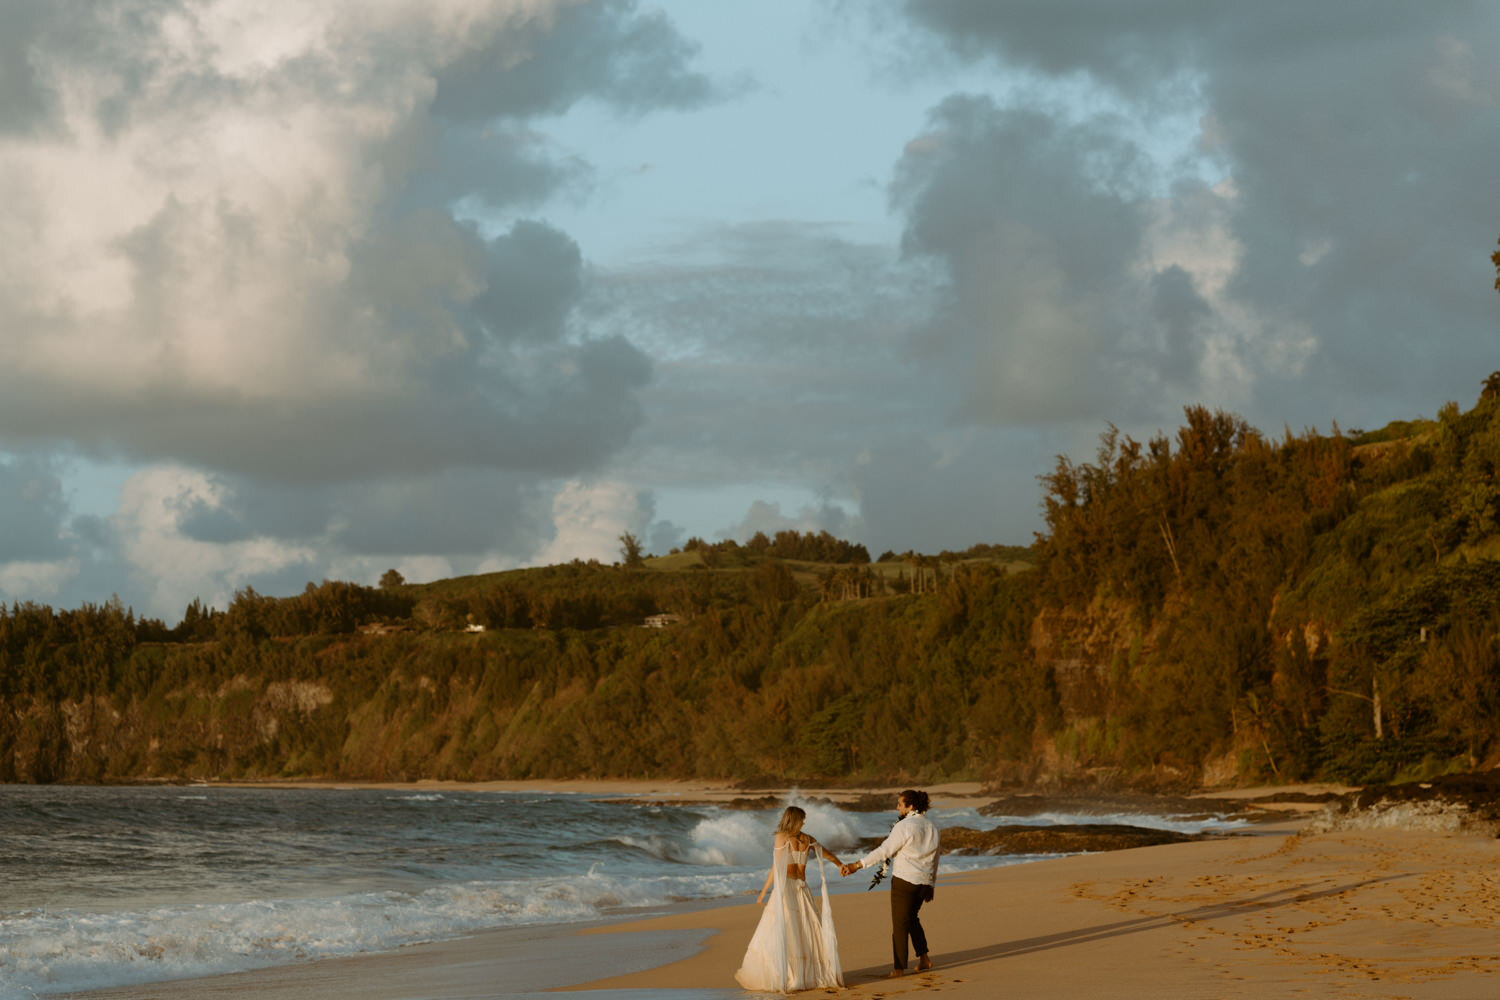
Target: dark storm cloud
917 495
25 100
564 411
535 278
1358 141
614 52
451 513
1140 46
1181 311
498 166
1037 223
1364 212
34 511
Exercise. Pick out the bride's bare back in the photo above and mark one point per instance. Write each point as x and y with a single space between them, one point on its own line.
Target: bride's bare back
798 843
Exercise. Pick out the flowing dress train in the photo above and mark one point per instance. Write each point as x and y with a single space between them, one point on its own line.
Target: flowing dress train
794 946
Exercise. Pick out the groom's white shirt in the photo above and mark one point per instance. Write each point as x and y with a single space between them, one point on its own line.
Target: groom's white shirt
913 844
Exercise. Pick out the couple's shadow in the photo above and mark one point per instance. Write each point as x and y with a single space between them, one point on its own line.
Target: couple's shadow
946 961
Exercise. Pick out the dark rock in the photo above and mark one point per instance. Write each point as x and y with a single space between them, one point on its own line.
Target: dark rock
871 802
1057 839
1277 797
1466 801
745 803
1479 792
1458 803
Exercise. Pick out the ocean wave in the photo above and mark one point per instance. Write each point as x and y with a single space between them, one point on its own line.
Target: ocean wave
45 952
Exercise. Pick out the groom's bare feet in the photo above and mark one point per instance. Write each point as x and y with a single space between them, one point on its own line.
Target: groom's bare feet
895 974
924 963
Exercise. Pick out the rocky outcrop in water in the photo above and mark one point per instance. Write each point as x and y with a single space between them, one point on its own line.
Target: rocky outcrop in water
1072 839
1458 803
1192 808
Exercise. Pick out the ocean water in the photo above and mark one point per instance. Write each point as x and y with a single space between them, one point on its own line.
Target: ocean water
113 886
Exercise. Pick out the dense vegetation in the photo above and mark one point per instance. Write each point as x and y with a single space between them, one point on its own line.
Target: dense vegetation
761 676
1217 605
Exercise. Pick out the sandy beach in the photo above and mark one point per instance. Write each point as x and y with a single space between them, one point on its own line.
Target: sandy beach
1372 913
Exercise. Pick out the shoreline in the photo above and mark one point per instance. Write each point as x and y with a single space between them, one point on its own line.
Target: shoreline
1270 912
674 935
945 795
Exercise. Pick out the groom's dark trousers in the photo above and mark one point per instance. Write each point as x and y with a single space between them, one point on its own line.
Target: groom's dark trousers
906 900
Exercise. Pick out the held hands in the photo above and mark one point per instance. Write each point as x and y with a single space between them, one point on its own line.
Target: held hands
849 869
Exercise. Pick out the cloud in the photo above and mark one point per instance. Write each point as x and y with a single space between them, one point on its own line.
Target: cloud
953 489
766 517
33 581
1338 172
589 519
1036 222
452 513
778 352
24 101
34 511
170 567
181 533
295 265
231 243
48 551
787 354
631 59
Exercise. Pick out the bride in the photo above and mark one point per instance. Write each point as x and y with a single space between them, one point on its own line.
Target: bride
794 947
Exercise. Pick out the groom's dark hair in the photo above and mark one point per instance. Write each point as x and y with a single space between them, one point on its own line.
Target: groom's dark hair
917 800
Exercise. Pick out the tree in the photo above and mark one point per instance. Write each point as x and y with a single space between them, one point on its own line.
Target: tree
630 550
391 578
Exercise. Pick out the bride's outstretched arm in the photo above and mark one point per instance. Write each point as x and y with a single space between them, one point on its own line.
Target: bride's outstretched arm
770 874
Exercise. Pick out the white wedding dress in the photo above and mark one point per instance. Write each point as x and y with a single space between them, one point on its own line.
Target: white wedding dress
794 946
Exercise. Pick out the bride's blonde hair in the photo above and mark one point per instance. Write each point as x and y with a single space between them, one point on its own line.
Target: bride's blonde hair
791 820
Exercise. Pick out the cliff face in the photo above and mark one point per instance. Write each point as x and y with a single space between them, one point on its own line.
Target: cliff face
1089 654
1122 681
241 728
1093 656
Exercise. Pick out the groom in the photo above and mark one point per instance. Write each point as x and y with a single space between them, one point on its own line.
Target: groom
913 850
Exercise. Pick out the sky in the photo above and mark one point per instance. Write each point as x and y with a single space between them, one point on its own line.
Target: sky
294 292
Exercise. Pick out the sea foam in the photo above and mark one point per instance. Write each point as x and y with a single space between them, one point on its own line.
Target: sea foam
56 952
1429 816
